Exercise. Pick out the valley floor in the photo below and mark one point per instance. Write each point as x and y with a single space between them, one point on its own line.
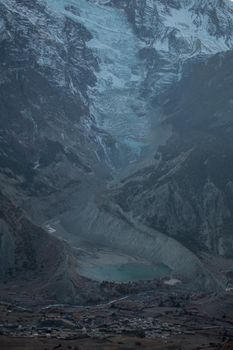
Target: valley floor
163 319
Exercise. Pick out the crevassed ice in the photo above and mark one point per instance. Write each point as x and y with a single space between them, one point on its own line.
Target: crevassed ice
115 100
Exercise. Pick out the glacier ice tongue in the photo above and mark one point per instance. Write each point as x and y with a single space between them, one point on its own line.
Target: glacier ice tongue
116 103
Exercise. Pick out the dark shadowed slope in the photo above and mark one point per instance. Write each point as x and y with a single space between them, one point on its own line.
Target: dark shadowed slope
36 267
187 192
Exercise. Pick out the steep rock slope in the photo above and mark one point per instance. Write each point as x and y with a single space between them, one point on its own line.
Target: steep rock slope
187 192
49 142
50 147
35 266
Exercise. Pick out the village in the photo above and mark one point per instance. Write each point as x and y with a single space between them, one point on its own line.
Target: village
152 317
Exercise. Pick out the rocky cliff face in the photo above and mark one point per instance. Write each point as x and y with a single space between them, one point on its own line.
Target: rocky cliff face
49 144
187 192
186 47
49 140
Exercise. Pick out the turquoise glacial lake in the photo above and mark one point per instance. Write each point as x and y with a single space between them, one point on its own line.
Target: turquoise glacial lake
126 272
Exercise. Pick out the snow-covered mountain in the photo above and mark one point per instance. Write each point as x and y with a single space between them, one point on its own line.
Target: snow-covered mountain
92 89
176 31
141 47
185 28
114 57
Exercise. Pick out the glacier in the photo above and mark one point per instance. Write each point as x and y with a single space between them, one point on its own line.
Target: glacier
116 103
